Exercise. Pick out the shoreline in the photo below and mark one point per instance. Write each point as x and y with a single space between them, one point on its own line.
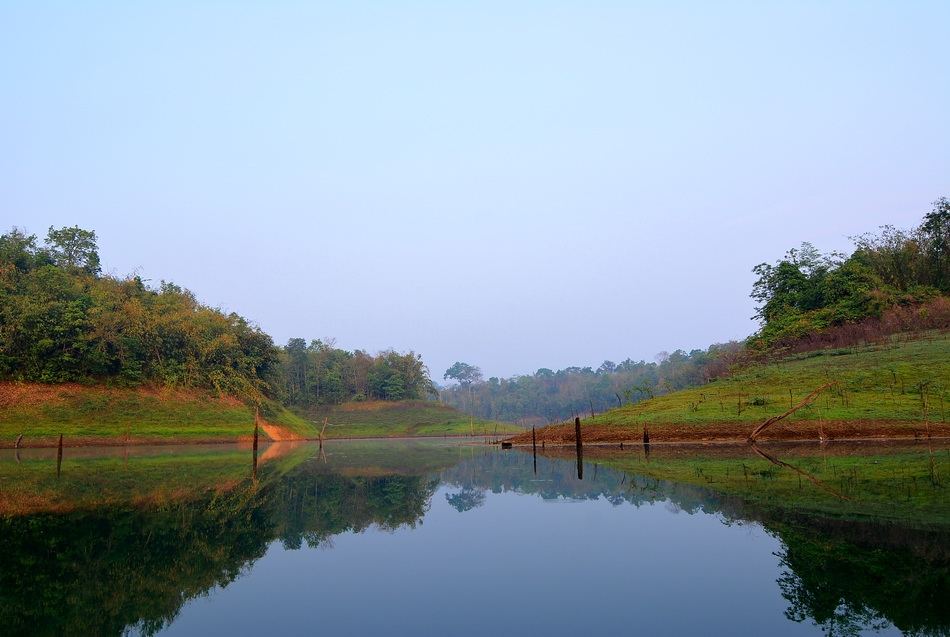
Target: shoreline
88 441
558 443
735 433
634 443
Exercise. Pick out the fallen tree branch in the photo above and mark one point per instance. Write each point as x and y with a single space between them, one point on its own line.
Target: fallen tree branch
774 419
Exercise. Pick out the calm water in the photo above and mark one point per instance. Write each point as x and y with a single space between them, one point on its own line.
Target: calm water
434 538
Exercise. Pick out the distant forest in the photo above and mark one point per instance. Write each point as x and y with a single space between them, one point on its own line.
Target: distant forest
62 320
893 281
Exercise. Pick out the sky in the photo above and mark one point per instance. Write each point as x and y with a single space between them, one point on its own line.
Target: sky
512 184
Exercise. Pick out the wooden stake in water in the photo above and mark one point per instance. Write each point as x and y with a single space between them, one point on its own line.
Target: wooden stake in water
257 417
534 449
256 429
580 448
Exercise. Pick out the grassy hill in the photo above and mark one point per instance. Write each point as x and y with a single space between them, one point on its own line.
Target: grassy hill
901 389
97 414
382 419
87 415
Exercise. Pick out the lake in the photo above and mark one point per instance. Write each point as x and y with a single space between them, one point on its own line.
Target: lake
450 537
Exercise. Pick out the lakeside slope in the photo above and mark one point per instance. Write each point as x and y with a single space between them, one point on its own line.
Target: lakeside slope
95 414
899 390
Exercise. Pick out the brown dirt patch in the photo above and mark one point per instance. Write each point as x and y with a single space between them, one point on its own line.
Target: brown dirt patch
278 433
14 393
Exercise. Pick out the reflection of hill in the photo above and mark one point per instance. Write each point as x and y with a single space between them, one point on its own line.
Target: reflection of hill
904 483
843 574
118 542
97 570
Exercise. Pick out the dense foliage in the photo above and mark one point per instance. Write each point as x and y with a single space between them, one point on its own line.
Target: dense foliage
62 320
320 374
807 291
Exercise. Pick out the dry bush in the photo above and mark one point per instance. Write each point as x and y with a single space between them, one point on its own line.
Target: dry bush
905 320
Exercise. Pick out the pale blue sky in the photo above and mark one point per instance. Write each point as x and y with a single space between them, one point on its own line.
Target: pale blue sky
514 184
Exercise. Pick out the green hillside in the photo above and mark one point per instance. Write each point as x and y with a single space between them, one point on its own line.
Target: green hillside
901 389
903 381
96 414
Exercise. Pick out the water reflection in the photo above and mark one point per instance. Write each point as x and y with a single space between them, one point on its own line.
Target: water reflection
125 541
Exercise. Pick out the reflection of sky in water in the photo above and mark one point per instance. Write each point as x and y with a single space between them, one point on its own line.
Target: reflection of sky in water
516 564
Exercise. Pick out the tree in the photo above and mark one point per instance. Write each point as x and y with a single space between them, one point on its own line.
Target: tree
934 237
74 248
394 388
20 251
464 373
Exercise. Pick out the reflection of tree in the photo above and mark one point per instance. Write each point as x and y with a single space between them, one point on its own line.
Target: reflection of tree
833 577
102 571
847 576
466 499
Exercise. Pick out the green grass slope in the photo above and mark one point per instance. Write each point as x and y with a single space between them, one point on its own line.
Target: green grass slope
382 419
92 414
904 381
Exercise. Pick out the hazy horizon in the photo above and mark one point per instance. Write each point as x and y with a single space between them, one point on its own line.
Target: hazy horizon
514 185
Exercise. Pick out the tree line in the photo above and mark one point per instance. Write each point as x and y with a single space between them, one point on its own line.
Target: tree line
548 396
894 280
62 320
320 374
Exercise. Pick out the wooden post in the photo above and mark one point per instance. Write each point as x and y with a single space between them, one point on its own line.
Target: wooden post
59 456
257 417
256 427
591 407
534 449
580 448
